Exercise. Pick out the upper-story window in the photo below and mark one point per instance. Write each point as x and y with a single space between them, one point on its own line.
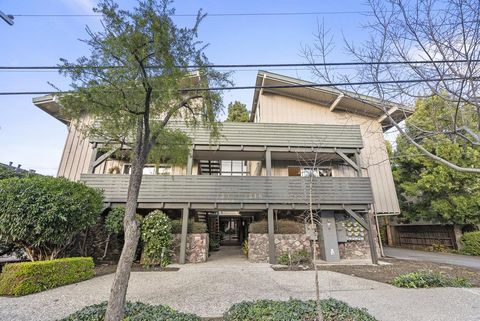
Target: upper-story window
309 171
161 169
234 168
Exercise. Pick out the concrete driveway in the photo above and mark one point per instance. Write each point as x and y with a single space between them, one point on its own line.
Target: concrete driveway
442 258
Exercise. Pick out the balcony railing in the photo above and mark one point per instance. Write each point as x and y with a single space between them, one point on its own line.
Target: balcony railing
244 190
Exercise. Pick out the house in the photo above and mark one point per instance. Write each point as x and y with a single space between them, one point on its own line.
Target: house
264 169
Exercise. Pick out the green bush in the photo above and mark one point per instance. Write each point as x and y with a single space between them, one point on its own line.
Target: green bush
471 243
114 220
31 277
281 227
295 258
192 227
429 279
42 214
294 310
136 311
213 244
157 239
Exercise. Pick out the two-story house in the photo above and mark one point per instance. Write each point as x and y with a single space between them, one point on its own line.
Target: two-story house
303 148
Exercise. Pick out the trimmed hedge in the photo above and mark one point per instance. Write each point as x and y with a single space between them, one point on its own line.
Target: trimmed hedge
471 243
281 227
30 277
192 227
295 310
133 312
429 279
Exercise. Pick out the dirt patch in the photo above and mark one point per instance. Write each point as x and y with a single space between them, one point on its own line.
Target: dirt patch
386 273
103 269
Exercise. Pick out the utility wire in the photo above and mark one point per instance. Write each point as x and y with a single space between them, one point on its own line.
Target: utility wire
310 85
327 64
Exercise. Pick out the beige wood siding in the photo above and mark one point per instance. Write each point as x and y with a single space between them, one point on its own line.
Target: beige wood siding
281 109
76 155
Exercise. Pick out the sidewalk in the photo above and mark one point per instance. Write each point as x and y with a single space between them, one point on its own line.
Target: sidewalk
445 258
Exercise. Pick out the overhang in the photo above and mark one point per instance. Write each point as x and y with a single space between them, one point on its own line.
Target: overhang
328 97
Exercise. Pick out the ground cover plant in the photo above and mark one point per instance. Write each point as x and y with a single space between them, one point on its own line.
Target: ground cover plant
471 243
429 279
295 310
30 277
136 311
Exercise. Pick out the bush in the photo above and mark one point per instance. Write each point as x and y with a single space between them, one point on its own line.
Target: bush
114 220
31 277
133 312
157 239
192 227
295 258
471 243
429 279
213 244
43 214
295 310
281 227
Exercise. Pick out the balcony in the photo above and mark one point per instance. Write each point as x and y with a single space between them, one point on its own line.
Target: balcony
237 192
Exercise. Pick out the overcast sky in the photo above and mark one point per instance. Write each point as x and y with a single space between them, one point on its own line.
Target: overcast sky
30 137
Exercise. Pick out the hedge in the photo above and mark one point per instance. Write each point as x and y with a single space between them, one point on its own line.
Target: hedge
471 243
30 277
295 310
133 312
281 227
192 227
429 279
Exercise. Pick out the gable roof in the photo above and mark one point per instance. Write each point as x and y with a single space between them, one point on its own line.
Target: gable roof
328 96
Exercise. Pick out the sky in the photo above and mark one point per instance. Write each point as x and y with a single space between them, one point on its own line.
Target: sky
34 139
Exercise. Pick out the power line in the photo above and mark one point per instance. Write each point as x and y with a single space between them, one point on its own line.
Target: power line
310 85
261 65
218 14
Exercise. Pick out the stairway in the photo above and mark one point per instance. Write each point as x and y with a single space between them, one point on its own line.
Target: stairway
209 167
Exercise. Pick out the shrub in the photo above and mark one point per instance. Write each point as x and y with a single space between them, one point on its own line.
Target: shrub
43 214
31 277
114 220
192 227
245 248
281 227
428 279
295 258
133 312
471 243
157 239
213 244
295 310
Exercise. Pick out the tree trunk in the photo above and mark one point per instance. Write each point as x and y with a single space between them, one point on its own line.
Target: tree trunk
118 292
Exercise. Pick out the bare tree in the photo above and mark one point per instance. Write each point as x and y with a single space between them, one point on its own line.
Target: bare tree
416 49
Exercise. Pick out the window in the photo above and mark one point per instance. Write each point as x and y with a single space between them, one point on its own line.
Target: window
150 169
309 171
234 168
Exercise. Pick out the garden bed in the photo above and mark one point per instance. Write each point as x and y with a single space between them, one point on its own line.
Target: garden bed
386 273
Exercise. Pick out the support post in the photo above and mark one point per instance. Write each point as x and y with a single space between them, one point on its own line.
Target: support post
183 237
268 161
271 237
190 162
358 160
93 158
371 239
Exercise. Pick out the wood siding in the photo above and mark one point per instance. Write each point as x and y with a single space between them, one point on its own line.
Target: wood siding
274 108
76 155
236 189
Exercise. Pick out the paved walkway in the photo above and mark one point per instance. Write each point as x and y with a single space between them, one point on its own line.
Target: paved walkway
445 258
211 288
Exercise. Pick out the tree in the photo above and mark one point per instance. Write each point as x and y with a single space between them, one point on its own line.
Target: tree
427 189
237 112
415 49
136 80
42 214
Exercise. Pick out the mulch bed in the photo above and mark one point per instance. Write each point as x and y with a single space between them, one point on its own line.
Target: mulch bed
386 273
106 268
